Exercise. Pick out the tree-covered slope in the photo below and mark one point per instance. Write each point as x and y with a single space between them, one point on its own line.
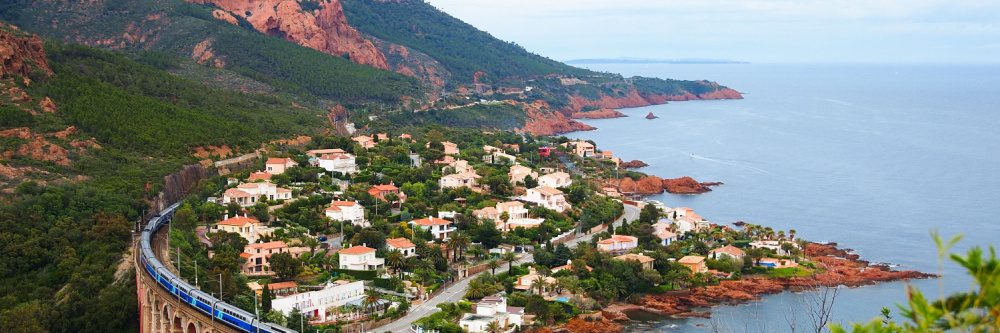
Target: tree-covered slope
190 31
460 47
117 125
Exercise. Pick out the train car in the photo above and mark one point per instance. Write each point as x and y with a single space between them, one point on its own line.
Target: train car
197 299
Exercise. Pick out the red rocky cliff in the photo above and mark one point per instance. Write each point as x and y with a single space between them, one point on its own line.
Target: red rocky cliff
325 29
21 53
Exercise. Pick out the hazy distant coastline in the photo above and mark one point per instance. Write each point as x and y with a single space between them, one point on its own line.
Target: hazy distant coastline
653 61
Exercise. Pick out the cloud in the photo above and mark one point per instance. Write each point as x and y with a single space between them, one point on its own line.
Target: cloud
756 30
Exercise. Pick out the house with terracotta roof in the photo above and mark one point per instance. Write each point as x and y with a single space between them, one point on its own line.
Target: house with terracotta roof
347 211
364 141
450 148
440 229
360 258
278 165
321 152
382 137
687 220
569 265
247 194
247 227
277 288
581 148
645 261
695 263
258 256
381 191
728 251
487 213
547 197
618 244
403 245
338 162
456 180
518 172
661 229
556 179
527 282
259 175
773 245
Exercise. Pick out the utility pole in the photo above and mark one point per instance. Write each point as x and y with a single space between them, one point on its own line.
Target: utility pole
220 286
196 274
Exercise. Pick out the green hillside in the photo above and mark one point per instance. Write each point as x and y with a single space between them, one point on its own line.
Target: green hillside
460 47
175 27
63 235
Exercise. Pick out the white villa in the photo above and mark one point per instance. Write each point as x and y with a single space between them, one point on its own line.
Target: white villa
348 211
338 162
314 304
403 245
555 179
547 197
661 230
247 194
492 309
499 157
440 228
360 258
517 216
456 180
617 244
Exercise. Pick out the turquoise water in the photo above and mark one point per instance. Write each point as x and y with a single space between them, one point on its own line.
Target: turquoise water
873 157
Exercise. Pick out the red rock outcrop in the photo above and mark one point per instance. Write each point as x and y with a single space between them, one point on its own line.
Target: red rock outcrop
837 268
202 53
687 185
647 185
36 147
413 63
48 105
633 164
592 324
324 29
543 121
631 97
598 114
21 53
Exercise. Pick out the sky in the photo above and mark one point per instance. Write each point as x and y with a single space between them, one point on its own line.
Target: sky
760 31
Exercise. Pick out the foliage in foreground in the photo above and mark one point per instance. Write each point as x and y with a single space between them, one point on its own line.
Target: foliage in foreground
975 311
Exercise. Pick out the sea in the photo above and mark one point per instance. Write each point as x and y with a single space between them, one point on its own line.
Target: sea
874 157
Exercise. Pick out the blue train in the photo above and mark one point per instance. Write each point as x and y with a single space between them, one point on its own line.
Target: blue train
197 299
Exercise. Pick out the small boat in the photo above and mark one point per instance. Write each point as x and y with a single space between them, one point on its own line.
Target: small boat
651 116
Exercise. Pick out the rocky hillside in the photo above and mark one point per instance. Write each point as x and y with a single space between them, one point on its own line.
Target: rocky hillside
86 138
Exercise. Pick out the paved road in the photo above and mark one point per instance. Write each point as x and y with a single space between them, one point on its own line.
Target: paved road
451 294
631 213
456 292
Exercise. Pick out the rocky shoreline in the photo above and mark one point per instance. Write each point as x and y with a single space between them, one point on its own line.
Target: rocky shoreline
650 185
839 268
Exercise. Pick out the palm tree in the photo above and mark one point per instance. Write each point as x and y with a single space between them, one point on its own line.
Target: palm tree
493 327
791 234
457 243
370 301
494 264
477 251
312 243
395 259
540 283
509 257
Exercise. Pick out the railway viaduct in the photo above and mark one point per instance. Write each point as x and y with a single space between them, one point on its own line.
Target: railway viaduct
161 312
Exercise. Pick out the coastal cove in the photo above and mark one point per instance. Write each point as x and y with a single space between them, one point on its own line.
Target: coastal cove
869 156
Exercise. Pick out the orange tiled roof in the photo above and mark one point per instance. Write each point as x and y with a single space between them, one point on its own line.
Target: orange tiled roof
429 221
238 221
618 239
399 243
356 250
269 245
728 249
279 160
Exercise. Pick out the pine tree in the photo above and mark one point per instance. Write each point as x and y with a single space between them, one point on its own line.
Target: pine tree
265 299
